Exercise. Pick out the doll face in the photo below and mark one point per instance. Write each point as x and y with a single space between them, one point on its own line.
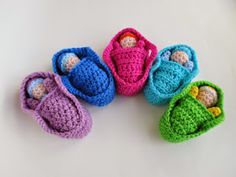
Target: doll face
39 91
180 57
71 62
128 42
36 89
207 96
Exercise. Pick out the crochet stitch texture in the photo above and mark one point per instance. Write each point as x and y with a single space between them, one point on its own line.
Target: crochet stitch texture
186 117
130 66
168 78
59 112
90 79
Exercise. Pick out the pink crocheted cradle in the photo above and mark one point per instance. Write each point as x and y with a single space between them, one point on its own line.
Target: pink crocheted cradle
130 66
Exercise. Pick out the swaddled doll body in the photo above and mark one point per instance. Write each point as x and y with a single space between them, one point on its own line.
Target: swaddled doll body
84 75
129 56
174 68
43 95
195 110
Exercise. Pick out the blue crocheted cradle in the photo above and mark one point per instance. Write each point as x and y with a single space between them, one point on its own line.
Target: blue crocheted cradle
90 79
167 78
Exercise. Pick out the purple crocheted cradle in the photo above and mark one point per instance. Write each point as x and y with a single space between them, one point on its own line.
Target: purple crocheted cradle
59 112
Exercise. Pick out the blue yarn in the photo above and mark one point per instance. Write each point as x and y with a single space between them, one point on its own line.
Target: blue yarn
90 80
189 65
167 78
166 55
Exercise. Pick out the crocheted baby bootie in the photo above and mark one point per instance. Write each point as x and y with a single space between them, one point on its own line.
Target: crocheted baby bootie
187 117
57 112
87 77
174 69
129 56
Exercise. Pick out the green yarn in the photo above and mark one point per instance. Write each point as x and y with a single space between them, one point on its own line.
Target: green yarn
187 118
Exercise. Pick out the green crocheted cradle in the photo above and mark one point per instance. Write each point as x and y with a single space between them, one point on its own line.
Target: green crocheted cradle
187 118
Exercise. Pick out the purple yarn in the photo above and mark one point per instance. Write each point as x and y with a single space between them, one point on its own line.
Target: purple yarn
59 112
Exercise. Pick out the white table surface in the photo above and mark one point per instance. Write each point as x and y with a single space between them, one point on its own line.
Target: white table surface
123 141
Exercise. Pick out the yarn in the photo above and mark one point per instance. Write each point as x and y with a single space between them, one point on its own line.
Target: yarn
89 79
194 91
130 66
189 65
186 117
127 34
130 71
168 78
59 112
166 55
216 111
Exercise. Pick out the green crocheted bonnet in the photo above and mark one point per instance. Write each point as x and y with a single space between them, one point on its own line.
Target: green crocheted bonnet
187 118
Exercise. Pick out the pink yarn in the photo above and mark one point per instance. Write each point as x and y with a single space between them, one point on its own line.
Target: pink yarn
130 66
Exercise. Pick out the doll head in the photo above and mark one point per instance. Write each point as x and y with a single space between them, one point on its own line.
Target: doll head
181 55
128 40
67 61
207 96
36 89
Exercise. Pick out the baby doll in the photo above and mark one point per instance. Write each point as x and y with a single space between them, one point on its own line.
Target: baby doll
208 97
67 61
36 89
129 56
128 40
181 56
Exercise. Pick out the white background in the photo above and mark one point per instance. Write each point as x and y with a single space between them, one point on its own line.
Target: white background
124 141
